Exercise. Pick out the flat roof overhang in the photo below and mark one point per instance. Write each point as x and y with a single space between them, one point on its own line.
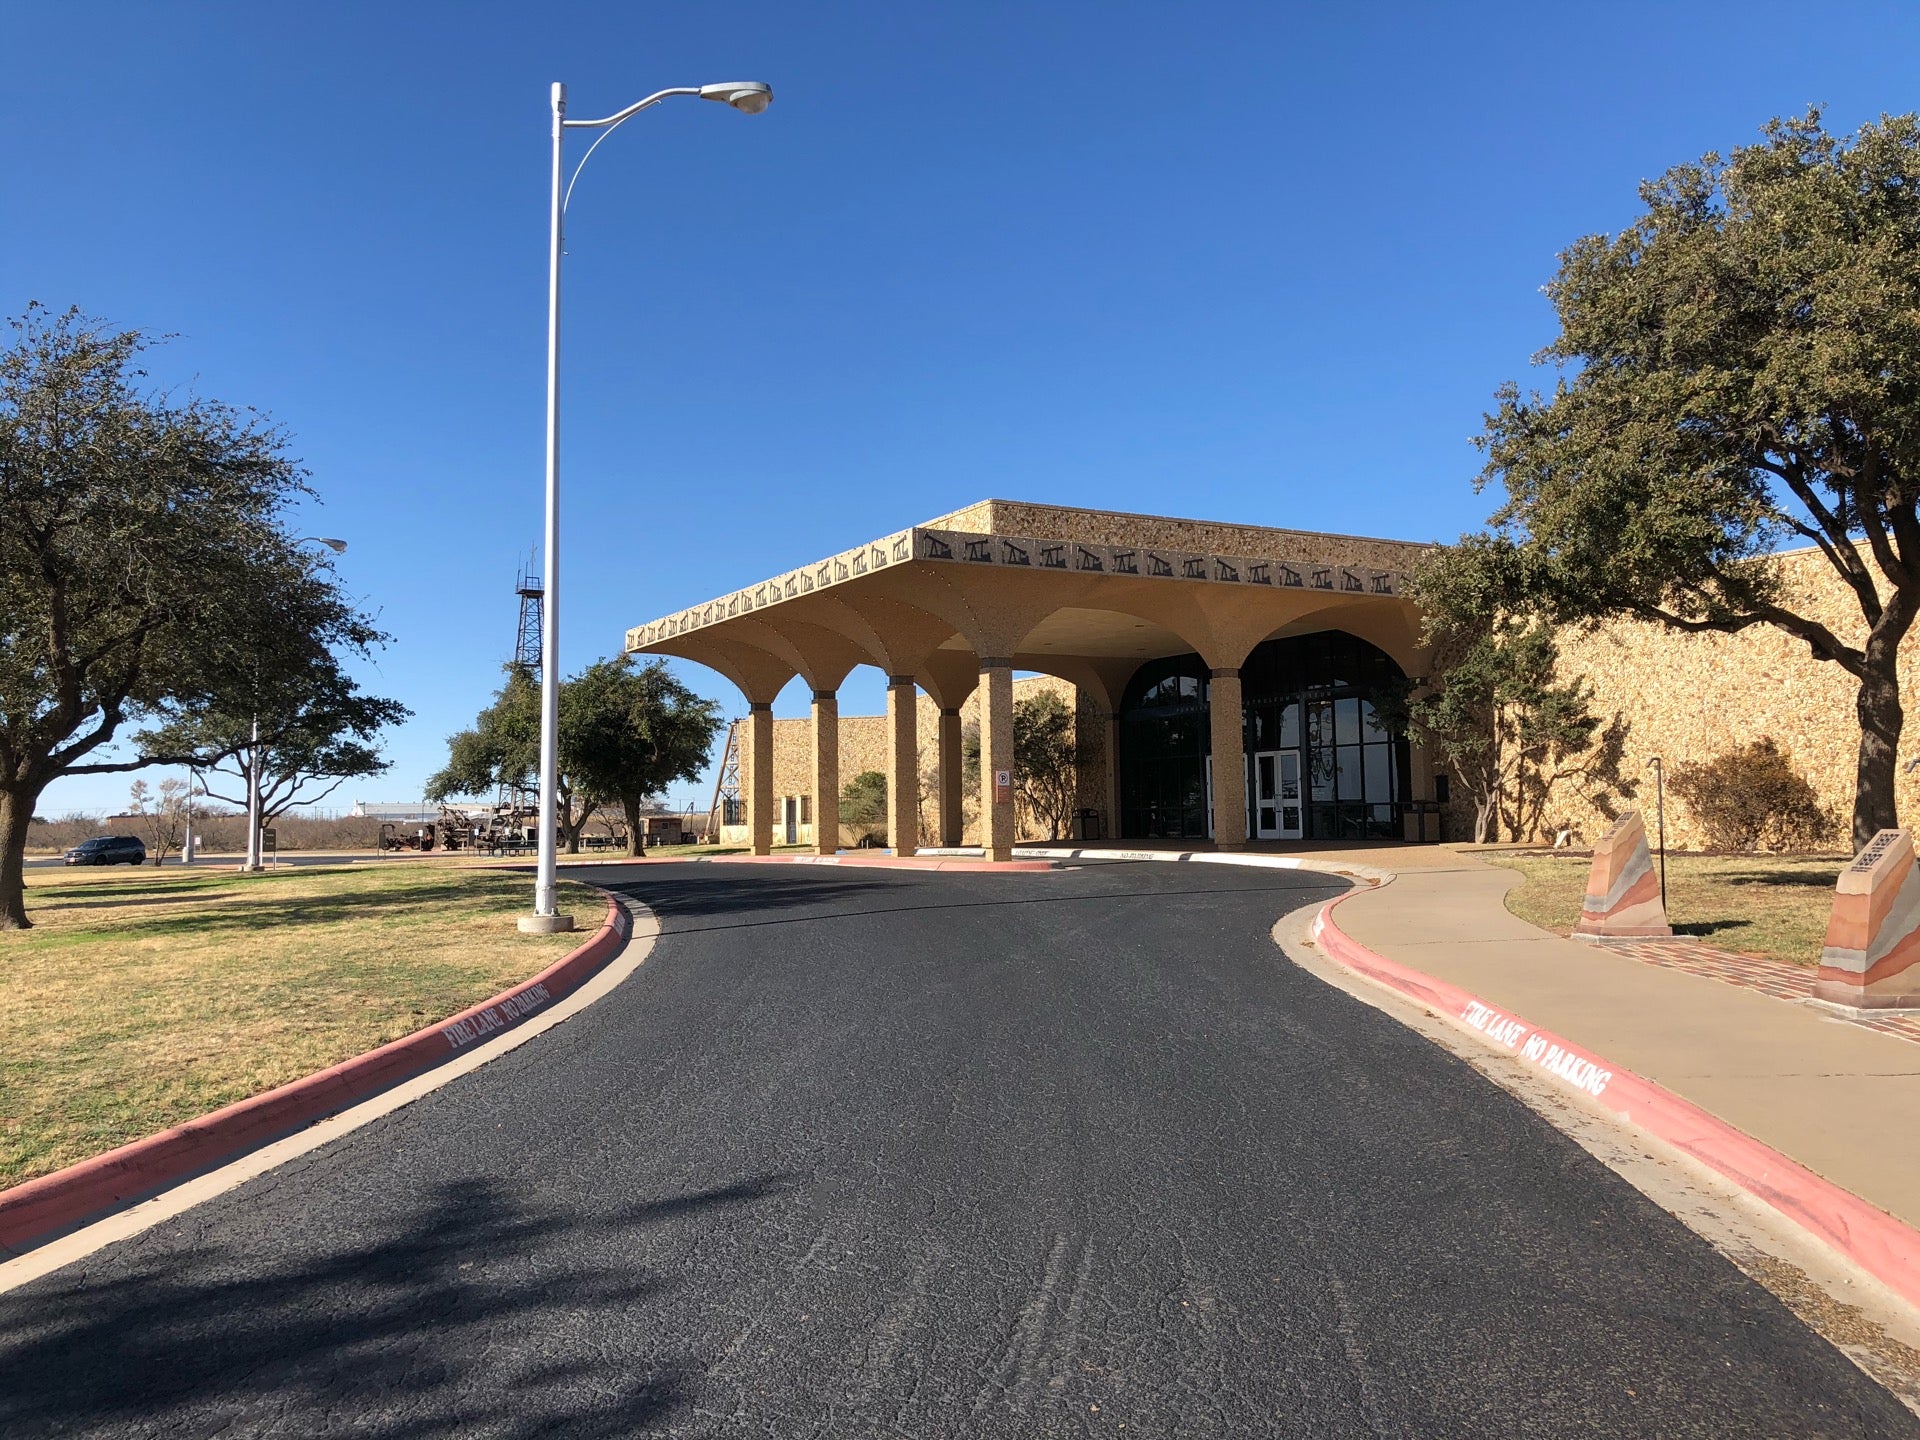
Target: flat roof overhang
1086 595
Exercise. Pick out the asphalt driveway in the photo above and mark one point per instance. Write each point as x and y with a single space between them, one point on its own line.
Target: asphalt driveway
920 1154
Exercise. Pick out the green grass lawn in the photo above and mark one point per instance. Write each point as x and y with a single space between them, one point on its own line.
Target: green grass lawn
1775 905
145 997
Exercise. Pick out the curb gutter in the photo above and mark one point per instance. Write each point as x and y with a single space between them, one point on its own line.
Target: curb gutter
1884 1247
49 1206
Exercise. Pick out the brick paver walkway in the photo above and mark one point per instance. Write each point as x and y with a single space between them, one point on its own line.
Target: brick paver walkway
1778 978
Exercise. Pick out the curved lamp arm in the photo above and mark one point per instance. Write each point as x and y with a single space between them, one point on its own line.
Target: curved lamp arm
631 110
751 96
606 127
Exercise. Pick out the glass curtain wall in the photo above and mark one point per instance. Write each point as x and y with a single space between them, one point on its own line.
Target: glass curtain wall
1318 693
1164 742
1315 694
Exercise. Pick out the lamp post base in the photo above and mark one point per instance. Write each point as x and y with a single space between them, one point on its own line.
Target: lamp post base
545 924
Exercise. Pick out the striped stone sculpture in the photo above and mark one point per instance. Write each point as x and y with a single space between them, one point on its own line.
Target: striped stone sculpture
1872 956
1623 889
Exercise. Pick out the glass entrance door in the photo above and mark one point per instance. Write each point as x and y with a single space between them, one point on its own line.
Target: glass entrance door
1266 788
1290 807
1276 795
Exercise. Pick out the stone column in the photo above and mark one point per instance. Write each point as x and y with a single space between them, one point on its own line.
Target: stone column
826 772
996 758
1112 830
759 759
903 764
1229 761
952 811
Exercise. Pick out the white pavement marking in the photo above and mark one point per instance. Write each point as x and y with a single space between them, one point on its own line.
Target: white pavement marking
1861 1317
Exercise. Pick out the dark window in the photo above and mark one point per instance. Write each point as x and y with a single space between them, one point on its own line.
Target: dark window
1164 742
1319 694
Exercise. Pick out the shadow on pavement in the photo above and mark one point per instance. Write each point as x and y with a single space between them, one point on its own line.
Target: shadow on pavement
400 1332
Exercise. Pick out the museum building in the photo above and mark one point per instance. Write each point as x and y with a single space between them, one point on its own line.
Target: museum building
1195 650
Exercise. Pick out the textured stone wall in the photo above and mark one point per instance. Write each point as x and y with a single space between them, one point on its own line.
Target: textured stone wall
1689 698
863 746
1102 527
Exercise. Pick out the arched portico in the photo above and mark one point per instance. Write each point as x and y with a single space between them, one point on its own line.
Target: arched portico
961 603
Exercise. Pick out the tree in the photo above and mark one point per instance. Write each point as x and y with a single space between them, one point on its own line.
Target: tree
163 815
629 730
1495 710
144 563
502 751
1742 370
317 729
1046 760
863 802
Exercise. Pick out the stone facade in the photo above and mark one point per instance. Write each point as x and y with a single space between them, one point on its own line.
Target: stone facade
1116 527
1689 698
863 747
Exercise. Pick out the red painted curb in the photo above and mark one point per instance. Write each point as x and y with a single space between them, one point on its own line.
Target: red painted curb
888 862
1874 1240
48 1206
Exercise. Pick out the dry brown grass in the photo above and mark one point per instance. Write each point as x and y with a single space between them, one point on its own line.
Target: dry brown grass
144 997
1775 905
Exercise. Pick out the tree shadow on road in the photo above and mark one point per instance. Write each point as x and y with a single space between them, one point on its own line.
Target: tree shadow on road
474 1315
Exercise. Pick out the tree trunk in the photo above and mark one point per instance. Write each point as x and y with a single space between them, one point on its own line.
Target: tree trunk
630 808
16 811
1485 824
1878 705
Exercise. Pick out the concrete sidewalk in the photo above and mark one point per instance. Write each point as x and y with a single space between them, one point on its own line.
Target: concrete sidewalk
1840 1099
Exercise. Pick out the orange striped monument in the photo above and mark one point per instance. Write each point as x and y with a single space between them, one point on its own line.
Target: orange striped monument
1872 956
1623 890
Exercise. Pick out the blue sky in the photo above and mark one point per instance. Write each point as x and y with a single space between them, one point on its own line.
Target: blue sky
1260 262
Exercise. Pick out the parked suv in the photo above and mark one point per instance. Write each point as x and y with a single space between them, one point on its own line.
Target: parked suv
109 850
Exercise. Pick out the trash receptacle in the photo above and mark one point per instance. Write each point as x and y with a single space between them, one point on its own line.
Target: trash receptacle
1089 824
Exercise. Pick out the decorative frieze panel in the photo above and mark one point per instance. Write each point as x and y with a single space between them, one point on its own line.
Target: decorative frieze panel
835 570
1019 552
967 548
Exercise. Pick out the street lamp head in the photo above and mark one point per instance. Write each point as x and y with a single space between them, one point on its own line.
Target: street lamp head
749 97
338 547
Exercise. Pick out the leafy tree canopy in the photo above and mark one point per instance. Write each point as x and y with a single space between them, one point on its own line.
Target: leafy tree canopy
502 751
1046 759
317 731
863 801
1497 712
629 730
1741 371
146 568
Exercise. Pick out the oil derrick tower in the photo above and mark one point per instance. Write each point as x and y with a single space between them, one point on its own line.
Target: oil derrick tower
526 644
726 808
516 805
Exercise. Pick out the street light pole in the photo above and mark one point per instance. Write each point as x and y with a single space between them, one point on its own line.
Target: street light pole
751 97
545 913
253 798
